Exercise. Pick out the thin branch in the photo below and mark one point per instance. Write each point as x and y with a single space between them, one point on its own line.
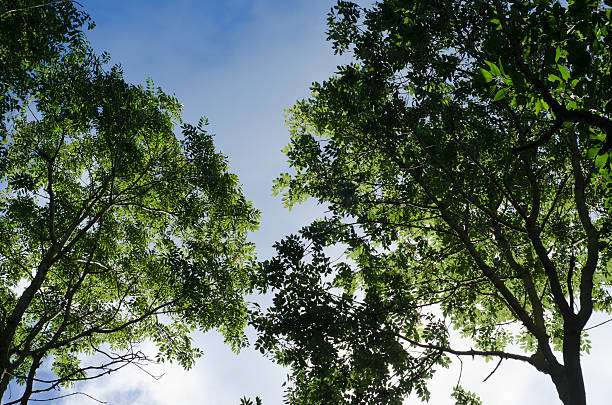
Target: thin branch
543 139
588 269
471 352
551 271
570 274
69 395
597 325
49 3
536 303
494 370
554 203
99 330
460 370
145 208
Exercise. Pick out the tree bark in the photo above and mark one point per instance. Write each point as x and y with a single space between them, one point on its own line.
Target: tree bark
568 378
573 369
559 378
4 382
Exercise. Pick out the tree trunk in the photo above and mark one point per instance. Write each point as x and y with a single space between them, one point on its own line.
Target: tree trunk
576 394
568 378
4 382
559 378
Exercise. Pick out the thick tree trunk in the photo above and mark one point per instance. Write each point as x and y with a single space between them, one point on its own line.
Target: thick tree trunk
573 369
559 378
568 378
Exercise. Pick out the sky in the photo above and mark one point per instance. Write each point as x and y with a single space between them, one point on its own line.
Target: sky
240 63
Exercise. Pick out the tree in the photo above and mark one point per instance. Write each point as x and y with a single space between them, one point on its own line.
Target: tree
462 157
113 230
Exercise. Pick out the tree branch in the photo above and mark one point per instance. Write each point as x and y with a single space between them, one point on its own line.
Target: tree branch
471 352
49 3
588 269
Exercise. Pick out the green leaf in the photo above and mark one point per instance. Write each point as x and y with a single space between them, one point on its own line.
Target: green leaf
600 160
564 72
497 23
501 93
494 69
557 54
592 152
486 75
463 397
501 67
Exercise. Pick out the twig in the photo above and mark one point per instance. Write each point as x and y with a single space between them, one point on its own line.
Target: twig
460 370
494 370
49 3
545 138
69 395
599 324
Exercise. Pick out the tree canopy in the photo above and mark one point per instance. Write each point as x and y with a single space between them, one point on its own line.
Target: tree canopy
113 228
33 36
464 159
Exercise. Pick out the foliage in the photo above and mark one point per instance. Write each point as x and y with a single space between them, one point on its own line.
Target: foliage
33 36
465 398
249 401
455 155
113 230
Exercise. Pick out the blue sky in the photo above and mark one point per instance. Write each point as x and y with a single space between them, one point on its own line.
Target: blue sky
241 63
